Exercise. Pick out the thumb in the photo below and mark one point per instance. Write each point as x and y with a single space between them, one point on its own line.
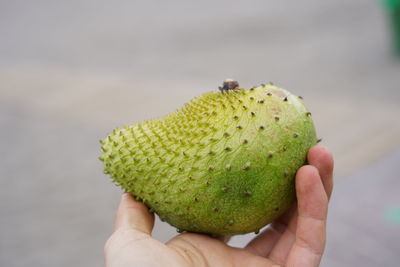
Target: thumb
133 214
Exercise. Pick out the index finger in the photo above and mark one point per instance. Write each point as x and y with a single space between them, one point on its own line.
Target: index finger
321 158
312 201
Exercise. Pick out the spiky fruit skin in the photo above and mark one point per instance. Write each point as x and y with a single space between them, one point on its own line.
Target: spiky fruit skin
223 164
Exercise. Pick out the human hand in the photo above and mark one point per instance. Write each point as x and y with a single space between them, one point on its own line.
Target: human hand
297 238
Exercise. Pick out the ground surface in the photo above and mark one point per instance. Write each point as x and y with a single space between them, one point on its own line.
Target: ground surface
70 72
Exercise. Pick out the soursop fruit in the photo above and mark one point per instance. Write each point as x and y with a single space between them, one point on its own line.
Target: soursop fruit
224 163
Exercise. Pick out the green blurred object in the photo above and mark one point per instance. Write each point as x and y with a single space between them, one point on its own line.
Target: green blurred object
393 215
393 7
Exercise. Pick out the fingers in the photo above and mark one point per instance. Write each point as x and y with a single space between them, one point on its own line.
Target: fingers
282 247
133 215
278 236
312 202
322 159
263 243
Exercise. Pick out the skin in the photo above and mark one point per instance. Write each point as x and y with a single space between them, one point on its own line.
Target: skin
297 238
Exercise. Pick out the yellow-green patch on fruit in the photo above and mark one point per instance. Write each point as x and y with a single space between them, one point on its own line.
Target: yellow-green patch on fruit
223 164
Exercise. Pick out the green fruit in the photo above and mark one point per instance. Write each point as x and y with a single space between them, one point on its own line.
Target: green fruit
223 164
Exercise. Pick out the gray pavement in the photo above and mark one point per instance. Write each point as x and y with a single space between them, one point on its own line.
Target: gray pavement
71 71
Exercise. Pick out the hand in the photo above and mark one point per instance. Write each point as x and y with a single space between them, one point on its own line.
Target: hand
297 238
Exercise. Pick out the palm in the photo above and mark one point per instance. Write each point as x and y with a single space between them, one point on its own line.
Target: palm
297 238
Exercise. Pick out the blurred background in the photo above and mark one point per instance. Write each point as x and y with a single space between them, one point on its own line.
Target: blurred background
71 71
